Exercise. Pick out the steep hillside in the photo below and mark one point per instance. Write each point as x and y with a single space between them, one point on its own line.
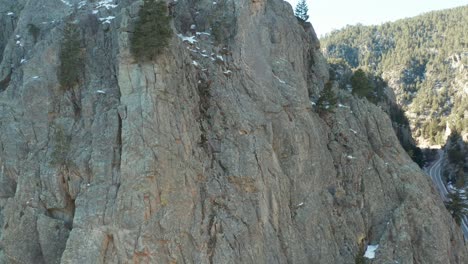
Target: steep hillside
376 91
209 152
425 61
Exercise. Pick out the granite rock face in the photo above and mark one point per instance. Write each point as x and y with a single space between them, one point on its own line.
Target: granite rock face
211 154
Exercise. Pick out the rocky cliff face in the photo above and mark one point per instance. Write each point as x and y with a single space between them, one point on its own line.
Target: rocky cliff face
211 154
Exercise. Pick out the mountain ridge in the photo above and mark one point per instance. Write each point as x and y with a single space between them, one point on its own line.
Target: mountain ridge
424 61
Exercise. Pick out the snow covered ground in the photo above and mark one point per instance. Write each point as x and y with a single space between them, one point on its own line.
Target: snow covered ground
370 251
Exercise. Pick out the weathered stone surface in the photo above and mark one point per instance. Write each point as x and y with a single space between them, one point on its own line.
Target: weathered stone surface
53 235
219 161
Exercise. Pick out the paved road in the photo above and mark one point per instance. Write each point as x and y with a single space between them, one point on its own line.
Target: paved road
435 172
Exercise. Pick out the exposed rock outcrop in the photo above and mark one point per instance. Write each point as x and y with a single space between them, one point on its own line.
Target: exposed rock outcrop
211 154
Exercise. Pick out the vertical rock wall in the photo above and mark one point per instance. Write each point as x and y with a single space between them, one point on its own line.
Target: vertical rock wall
211 154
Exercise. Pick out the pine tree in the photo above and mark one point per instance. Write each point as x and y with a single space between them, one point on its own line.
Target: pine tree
152 30
361 84
327 100
301 10
71 58
456 206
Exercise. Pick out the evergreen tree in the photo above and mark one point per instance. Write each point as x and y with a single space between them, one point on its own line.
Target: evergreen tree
327 100
301 10
456 206
361 84
152 30
71 58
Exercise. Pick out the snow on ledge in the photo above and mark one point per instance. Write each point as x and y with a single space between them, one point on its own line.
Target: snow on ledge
108 4
343 106
81 4
279 80
106 19
190 40
66 3
370 251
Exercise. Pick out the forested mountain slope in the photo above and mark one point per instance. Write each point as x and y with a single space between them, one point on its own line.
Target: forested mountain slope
424 59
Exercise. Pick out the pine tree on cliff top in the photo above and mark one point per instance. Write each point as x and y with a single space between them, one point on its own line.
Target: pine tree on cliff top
301 10
152 30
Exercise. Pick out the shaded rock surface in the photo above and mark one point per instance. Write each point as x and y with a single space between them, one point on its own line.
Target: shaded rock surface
211 154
